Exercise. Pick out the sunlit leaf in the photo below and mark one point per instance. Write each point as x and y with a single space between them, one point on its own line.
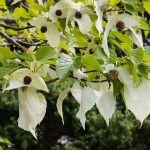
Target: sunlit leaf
63 66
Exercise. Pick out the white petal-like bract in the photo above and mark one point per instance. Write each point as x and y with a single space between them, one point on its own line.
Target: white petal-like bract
60 100
32 108
88 98
137 98
16 80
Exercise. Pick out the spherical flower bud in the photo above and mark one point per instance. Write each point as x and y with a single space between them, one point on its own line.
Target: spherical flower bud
27 80
104 7
113 74
43 29
120 26
58 12
78 15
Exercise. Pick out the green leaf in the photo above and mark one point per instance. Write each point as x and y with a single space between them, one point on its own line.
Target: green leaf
45 53
3 4
124 39
7 69
143 69
1 148
147 50
147 6
35 6
90 61
20 13
132 70
131 2
117 85
137 56
114 2
6 53
64 46
77 63
63 66
113 56
49 3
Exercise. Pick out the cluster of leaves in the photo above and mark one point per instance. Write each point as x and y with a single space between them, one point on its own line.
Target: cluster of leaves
89 41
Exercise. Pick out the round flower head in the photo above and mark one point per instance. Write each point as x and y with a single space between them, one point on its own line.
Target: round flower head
121 21
48 29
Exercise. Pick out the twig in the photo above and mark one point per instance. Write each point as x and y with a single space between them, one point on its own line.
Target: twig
3 34
3 45
71 76
108 10
8 20
15 28
30 44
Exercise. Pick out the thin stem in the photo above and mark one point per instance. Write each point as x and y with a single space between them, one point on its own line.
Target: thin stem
71 76
8 20
15 28
3 34
108 10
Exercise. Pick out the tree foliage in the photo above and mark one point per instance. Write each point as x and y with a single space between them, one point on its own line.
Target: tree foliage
92 47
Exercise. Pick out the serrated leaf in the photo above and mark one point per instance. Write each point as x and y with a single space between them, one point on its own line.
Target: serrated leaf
45 53
7 69
137 56
90 61
63 66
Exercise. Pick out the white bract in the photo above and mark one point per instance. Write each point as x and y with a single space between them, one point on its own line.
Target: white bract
49 30
60 9
32 105
105 101
128 21
98 4
137 99
78 15
87 98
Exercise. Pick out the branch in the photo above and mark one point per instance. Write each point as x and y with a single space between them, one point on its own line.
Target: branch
3 45
108 10
3 34
71 76
15 28
8 20
30 44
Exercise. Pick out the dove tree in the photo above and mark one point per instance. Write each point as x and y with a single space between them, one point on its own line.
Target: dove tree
97 48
